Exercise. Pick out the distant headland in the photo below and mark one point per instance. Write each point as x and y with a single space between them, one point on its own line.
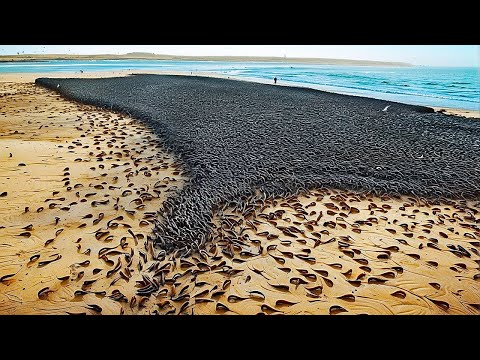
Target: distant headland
150 56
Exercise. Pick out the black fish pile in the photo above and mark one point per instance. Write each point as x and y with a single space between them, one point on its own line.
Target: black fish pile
241 140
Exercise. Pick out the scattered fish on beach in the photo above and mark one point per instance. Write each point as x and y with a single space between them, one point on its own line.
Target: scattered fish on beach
80 238
236 138
297 247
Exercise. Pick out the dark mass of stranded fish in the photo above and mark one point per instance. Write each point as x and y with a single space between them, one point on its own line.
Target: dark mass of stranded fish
311 253
243 143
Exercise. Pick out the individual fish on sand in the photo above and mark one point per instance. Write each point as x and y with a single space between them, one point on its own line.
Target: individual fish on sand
282 141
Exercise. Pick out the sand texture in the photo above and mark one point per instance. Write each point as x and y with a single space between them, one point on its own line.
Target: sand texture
93 180
79 192
459 112
238 137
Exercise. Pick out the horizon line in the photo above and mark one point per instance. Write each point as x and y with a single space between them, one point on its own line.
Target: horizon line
154 56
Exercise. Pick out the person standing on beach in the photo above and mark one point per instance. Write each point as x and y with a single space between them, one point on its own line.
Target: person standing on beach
275 79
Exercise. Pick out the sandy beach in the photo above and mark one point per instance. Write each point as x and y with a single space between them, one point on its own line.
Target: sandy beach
30 78
80 188
459 112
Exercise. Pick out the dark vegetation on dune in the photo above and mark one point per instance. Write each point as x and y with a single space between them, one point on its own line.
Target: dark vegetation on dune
240 140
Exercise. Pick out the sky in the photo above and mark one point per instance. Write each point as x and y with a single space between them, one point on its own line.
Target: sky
427 55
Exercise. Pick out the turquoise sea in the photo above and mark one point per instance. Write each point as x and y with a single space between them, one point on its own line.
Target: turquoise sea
451 87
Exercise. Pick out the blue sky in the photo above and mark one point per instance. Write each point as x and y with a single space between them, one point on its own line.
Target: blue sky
433 55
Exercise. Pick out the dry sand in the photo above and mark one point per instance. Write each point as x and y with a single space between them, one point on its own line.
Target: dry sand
459 112
89 181
326 252
336 252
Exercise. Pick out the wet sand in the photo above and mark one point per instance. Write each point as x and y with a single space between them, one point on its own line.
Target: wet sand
30 77
323 252
238 137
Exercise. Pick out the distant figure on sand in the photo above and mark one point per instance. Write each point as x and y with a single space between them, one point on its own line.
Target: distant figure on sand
275 79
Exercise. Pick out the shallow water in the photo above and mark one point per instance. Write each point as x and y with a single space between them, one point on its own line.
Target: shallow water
451 87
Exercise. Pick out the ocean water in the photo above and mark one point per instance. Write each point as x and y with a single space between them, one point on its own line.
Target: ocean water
451 87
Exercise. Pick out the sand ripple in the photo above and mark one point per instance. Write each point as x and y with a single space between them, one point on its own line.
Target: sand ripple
236 137
92 195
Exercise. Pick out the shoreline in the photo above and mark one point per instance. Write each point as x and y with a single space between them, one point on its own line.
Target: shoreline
82 254
30 77
380 160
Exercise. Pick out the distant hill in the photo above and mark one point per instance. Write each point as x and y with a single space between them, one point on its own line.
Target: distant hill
150 56
142 55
